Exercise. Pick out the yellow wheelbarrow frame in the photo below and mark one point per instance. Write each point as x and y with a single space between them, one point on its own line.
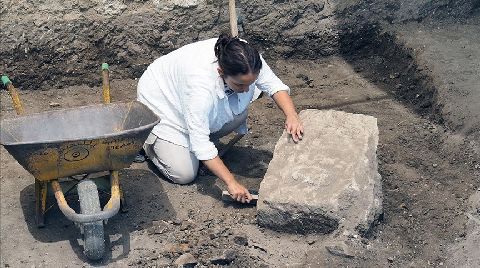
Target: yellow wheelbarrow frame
105 137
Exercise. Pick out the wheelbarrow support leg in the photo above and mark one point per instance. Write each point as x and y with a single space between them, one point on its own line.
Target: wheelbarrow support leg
115 189
40 202
123 203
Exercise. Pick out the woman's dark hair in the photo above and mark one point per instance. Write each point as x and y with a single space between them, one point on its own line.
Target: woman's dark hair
236 56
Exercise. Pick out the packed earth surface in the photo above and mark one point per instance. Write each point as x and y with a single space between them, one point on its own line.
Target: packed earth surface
413 65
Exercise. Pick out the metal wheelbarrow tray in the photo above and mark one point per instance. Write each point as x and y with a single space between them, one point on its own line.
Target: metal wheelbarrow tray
74 141
82 140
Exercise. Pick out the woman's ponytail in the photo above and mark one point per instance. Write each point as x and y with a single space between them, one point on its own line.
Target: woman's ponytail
222 43
236 56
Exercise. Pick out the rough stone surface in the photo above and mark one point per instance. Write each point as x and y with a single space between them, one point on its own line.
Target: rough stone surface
327 180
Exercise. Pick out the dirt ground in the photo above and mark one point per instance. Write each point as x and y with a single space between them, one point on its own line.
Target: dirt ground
428 174
333 54
451 53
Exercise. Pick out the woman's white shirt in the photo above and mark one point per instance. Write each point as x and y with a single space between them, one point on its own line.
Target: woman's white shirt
185 90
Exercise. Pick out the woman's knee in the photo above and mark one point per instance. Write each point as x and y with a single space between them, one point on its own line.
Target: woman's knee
177 174
176 162
184 176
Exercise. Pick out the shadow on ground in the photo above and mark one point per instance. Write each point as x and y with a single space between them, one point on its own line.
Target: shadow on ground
248 165
146 202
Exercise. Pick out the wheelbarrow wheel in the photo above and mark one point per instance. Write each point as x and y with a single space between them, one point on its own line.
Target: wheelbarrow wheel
93 235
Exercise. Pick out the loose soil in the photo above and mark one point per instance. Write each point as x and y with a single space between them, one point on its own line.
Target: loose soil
428 174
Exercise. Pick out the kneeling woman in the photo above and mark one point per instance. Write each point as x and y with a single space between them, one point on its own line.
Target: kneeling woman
201 92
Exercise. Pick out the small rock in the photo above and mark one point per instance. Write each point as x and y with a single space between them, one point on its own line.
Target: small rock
241 240
435 165
54 104
185 226
158 228
226 233
186 260
390 259
394 75
177 248
212 236
303 77
340 249
226 258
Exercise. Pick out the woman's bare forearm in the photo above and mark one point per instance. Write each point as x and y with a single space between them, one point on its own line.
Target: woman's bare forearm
217 167
293 124
285 103
236 190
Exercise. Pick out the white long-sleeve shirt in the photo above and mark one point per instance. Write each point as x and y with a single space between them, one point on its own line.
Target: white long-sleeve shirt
185 90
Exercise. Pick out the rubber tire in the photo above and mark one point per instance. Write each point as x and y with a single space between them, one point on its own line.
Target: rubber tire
93 235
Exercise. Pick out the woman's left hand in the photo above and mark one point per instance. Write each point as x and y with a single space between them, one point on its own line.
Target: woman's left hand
294 127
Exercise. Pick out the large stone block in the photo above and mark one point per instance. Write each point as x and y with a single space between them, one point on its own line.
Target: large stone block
326 181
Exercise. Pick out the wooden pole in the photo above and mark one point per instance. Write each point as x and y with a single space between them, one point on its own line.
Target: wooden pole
233 18
234 30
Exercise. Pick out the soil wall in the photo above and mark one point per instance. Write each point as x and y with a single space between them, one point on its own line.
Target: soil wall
52 43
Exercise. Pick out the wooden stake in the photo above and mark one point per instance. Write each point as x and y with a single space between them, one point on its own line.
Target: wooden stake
233 18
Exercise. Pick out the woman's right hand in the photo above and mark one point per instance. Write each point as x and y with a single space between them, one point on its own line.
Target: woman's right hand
239 192
236 190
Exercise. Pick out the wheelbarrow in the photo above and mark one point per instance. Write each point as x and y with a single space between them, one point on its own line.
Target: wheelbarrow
76 142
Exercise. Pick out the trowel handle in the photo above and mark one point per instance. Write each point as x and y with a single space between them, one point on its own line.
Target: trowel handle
105 83
17 104
226 197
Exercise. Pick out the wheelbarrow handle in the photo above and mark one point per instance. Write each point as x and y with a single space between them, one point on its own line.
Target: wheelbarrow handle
6 80
17 104
105 83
